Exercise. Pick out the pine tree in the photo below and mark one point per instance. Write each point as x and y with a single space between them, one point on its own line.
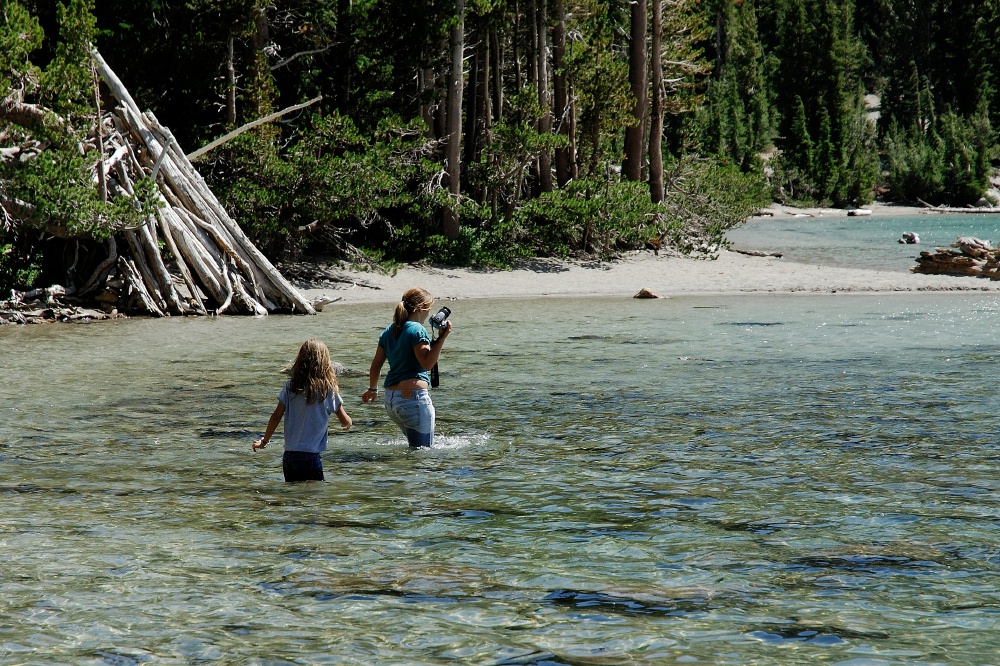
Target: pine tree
800 151
827 164
736 120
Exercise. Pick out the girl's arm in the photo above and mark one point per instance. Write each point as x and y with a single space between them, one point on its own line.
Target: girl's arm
373 374
272 425
428 352
345 419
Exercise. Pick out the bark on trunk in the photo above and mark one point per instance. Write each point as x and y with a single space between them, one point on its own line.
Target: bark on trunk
656 116
560 91
345 61
230 86
632 163
450 222
544 100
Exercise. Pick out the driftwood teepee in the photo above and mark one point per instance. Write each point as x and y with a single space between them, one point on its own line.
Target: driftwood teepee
214 265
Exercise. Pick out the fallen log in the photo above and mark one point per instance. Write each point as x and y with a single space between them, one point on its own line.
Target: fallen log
757 253
967 256
928 208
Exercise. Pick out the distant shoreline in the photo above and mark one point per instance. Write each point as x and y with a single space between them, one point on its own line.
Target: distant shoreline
877 210
666 276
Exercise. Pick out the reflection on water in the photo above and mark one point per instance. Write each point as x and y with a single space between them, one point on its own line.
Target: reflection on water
782 479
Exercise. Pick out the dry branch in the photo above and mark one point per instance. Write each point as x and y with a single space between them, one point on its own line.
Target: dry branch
240 130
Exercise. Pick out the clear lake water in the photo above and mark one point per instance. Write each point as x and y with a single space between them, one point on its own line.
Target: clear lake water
774 479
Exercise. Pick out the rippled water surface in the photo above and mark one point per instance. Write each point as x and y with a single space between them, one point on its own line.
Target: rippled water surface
769 480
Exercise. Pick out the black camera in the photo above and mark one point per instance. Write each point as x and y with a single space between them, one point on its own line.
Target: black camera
438 318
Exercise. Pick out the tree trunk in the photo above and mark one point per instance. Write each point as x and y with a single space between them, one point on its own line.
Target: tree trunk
473 104
531 41
496 59
516 47
345 61
632 163
545 122
425 86
450 225
656 116
230 86
573 152
441 105
560 90
262 95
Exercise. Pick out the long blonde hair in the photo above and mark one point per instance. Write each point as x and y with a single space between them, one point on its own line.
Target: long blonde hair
312 371
413 300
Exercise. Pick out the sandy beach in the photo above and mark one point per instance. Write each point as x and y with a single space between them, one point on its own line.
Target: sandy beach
665 275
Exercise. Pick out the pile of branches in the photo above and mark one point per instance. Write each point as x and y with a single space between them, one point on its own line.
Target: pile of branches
966 256
41 306
187 256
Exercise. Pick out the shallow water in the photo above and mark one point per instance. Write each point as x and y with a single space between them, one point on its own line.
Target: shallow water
774 479
860 242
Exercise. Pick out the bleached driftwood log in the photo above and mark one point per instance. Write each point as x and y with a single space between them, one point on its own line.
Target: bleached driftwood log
966 256
215 260
986 209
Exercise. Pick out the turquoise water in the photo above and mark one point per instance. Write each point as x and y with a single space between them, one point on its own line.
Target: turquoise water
861 242
731 480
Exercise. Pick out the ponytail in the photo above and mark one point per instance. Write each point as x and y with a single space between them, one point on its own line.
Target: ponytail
399 318
412 301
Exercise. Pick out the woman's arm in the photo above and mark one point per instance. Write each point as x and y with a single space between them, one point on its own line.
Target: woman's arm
428 352
374 371
272 425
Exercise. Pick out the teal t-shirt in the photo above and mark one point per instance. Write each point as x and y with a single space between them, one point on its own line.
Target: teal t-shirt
403 363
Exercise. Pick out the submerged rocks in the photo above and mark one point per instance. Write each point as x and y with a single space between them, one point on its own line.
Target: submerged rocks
967 256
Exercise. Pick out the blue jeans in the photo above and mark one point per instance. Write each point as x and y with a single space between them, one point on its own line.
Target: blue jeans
302 466
413 412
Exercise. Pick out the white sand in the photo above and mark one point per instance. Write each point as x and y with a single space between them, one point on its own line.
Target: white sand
664 275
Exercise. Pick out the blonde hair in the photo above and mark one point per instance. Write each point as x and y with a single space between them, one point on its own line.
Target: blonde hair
312 371
413 300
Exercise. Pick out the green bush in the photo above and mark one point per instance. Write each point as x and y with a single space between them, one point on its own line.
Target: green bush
18 269
587 218
704 199
914 167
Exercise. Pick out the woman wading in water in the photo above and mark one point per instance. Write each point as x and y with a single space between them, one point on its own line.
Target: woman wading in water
407 346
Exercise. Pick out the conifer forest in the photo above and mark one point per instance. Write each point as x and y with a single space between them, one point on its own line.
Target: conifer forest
468 132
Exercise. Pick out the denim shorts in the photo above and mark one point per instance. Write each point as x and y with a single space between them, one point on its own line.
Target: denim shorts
413 412
302 466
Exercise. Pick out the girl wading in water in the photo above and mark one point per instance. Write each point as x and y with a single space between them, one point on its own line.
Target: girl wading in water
407 346
309 398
